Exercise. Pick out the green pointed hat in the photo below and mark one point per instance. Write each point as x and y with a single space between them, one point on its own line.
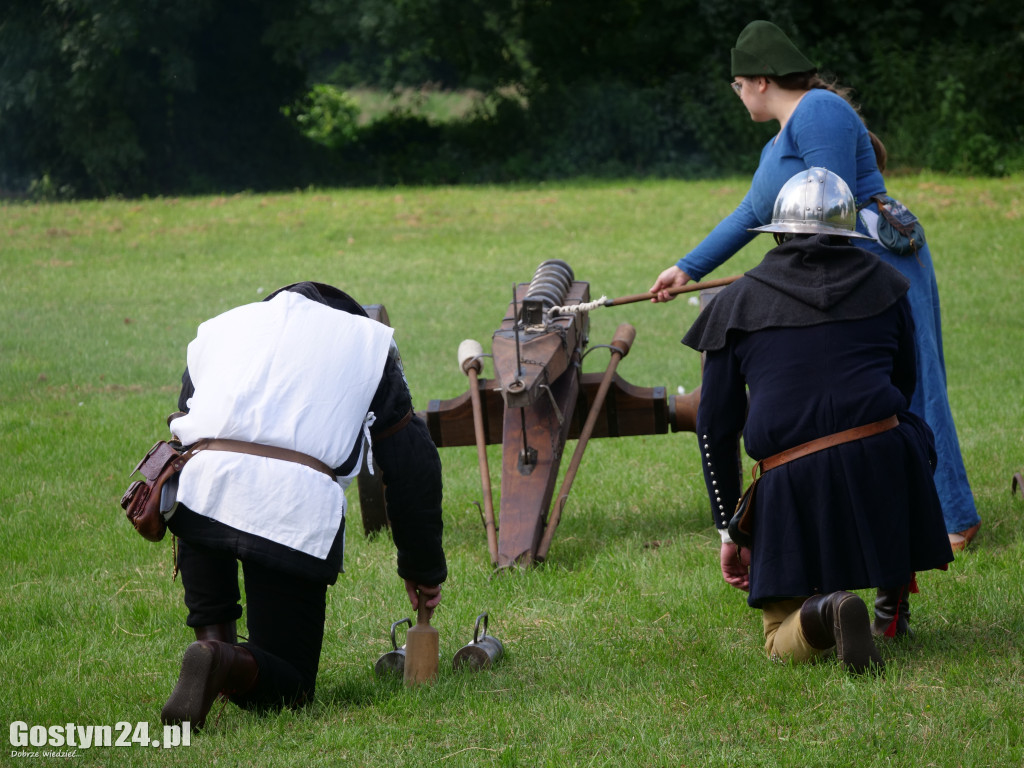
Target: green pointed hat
763 49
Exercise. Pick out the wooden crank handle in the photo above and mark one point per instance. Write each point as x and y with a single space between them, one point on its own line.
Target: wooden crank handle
623 340
688 288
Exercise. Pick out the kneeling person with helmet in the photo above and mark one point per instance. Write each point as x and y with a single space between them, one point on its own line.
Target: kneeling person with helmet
821 334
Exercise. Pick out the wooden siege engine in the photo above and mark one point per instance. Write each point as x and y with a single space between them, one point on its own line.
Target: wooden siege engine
537 401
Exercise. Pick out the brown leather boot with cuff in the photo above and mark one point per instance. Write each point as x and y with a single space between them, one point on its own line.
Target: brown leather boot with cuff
208 668
841 619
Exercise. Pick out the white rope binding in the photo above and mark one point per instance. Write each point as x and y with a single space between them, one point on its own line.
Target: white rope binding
575 309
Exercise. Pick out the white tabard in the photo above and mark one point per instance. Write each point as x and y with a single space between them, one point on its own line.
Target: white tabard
291 373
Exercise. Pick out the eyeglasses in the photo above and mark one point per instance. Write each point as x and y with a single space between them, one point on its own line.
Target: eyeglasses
737 86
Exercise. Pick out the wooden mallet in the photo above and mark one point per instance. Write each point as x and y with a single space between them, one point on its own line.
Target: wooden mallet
422 648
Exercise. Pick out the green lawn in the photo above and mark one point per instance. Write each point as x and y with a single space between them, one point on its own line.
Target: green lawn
626 647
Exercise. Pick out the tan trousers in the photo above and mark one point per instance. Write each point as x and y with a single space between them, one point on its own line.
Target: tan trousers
783 636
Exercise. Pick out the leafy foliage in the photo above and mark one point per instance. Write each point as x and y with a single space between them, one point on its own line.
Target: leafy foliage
111 96
103 97
326 115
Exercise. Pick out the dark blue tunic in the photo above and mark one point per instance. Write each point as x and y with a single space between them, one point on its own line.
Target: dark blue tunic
862 514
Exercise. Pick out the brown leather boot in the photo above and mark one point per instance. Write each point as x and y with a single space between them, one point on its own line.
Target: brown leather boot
226 632
208 667
892 613
841 619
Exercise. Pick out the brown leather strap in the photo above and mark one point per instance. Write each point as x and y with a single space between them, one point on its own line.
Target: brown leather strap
267 451
822 443
386 433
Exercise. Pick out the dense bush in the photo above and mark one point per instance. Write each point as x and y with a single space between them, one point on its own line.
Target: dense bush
101 97
327 116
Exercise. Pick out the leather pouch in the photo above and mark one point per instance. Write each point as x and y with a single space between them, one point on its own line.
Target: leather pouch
898 229
141 502
741 526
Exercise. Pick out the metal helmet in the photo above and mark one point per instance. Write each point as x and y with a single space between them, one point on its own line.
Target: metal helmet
815 201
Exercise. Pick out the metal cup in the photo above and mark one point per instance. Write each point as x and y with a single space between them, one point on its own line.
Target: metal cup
484 651
392 663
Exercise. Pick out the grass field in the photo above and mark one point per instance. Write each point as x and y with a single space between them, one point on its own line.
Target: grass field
626 647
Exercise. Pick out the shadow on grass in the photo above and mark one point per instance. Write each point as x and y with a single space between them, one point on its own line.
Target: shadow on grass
991 641
355 690
579 542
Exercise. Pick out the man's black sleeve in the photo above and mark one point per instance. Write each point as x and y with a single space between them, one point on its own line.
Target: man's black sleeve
411 470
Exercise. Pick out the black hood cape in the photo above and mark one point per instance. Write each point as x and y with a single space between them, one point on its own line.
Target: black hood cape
804 282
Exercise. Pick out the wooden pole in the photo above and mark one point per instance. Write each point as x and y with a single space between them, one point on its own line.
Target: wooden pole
688 288
469 361
621 343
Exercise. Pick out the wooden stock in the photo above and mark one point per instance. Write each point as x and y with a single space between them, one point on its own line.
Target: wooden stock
621 344
688 288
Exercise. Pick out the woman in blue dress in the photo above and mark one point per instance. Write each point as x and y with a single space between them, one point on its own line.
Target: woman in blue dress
819 128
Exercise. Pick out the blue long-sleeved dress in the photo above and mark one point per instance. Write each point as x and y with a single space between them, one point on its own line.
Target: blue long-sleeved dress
824 131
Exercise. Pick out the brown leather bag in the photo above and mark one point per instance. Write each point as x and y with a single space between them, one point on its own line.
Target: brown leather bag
141 502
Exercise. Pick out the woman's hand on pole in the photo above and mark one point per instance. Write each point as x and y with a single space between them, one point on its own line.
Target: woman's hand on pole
673 277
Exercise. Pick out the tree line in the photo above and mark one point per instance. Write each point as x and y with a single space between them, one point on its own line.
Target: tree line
143 97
